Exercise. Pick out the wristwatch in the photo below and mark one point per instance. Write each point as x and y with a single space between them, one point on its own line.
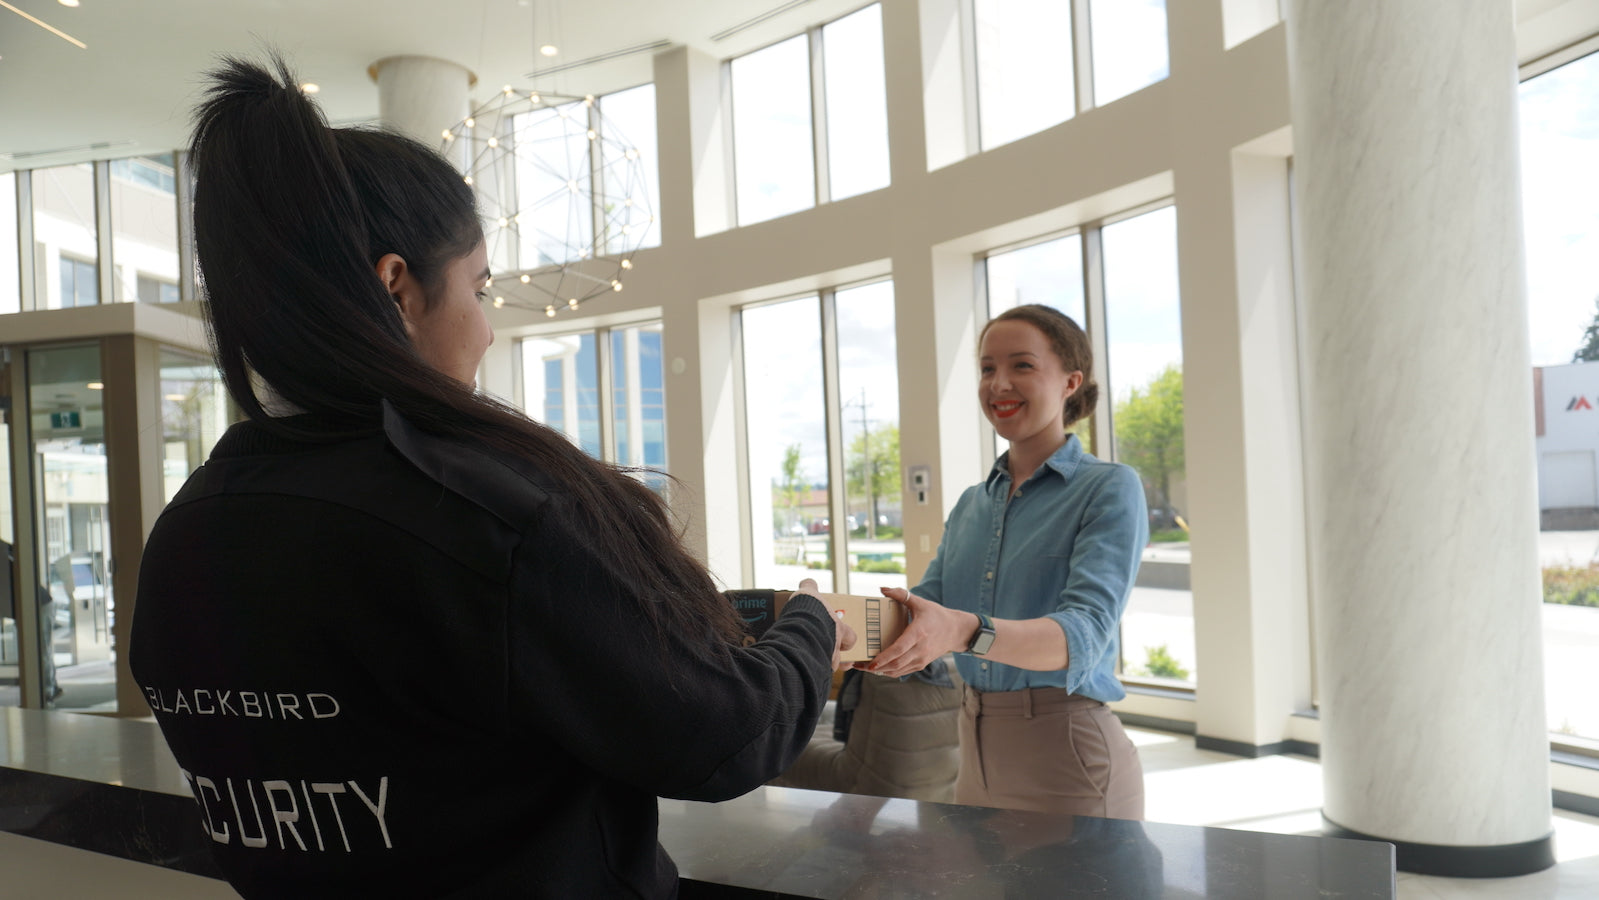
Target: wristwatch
984 638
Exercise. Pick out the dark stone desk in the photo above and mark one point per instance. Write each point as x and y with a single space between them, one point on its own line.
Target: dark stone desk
110 786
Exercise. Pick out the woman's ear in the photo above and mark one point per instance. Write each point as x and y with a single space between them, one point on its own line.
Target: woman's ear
404 287
1074 381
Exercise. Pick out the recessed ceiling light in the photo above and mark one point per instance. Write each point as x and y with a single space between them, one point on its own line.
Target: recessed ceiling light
310 87
176 398
68 2
549 50
95 385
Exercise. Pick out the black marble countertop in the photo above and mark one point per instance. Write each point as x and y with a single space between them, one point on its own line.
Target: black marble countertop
110 786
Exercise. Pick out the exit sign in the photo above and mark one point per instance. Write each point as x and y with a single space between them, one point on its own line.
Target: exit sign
67 419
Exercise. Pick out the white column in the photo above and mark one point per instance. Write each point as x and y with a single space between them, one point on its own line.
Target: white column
419 96
1420 466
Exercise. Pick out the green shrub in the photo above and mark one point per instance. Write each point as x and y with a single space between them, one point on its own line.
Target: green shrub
1571 585
818 564
1160 663
881 566
1169 536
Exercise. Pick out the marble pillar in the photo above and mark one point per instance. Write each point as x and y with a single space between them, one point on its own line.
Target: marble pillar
1420 467
419 96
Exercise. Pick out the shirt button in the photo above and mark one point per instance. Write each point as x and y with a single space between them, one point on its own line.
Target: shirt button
990 576
985 667
998 532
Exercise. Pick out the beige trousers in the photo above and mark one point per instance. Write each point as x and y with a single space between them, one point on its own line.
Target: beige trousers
1044 749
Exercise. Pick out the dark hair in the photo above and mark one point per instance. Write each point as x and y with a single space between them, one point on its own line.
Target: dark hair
1071 347
290 219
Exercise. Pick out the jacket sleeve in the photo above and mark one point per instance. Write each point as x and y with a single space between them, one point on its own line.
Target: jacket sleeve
1104 563
590 671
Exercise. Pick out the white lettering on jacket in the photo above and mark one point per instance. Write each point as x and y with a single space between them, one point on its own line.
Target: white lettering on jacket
250 704
286 813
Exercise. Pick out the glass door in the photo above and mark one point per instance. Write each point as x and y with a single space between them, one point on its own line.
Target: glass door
71 489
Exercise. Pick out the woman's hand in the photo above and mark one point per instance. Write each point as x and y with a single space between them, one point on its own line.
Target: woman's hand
843 636
934 630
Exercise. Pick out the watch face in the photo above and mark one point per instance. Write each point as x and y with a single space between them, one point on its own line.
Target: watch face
984 640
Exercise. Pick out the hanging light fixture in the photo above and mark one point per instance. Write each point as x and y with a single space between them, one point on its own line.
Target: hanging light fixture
561 192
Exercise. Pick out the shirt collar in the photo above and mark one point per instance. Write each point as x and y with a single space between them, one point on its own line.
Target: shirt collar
1064 461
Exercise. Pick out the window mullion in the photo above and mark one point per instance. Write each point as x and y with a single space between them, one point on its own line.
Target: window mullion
607 405
105 265
837 501
599 230
741 454
824 189
1104 443
1083 54
26 275
183 197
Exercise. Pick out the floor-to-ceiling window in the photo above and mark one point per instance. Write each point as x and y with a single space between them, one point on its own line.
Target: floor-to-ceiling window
824 486
1134 310
1560 187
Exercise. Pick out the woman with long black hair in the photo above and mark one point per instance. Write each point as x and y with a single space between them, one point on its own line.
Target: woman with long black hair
402 640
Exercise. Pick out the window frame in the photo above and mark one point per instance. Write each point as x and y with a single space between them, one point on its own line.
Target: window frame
1095 315
604 357
833 426
821 181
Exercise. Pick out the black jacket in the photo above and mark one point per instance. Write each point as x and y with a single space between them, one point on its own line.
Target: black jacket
389 666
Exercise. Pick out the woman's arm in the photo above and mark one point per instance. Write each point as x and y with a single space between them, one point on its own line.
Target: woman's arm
664 712
1104 559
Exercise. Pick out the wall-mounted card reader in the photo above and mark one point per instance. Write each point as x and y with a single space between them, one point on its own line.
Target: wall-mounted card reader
921 482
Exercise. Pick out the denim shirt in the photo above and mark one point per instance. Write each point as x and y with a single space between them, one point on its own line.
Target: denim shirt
1066 546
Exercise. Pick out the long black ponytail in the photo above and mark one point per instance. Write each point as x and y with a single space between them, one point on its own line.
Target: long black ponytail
290 219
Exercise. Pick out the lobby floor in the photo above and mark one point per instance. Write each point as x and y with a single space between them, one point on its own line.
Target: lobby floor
1189 786
1184 785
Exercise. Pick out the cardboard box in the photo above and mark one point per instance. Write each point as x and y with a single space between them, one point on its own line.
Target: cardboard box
877 621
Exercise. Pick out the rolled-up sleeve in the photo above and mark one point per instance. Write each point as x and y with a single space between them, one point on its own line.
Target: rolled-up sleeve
1103 563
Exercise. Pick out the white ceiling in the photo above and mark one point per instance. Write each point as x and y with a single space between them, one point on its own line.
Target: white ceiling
135 85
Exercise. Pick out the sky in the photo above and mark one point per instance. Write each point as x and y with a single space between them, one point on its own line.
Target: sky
1560 206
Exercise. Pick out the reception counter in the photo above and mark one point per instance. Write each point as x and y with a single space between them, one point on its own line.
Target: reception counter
110 786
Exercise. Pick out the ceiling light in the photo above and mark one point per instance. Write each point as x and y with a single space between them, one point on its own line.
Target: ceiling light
311 87
72 3
176 398
549 50
95 385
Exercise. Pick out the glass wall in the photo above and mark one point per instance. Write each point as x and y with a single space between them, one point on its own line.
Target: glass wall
66 237
10 288
1024 68
10 648
555 213
869 422
638 391
74 533
856 104
194 413
1560 199
1129 46
774 167
629 125
561 386
785 427
1143 322
1049 272
144 229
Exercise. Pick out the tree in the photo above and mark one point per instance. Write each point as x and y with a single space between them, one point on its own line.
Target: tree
871 469
1589 351
1149 431
791 490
